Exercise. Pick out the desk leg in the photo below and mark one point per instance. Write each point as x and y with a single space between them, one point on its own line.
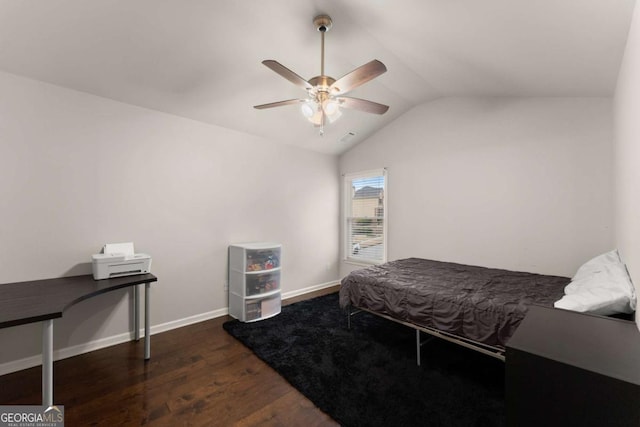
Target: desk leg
147 332
136 312
47 363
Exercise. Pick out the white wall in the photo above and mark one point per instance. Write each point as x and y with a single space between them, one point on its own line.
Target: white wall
78 171
627 155
515 183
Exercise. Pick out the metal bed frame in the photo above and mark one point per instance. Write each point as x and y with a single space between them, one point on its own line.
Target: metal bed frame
496 352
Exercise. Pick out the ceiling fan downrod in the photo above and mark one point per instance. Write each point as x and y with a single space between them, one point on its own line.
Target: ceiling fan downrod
323 24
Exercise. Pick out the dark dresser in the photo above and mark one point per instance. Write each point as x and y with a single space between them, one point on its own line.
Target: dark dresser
571 369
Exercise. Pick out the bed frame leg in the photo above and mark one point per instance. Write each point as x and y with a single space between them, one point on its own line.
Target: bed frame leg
351 313
418 344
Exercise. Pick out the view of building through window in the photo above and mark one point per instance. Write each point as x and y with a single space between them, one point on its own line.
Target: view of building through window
365 217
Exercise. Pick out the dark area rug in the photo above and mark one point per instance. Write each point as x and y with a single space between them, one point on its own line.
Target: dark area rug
367 376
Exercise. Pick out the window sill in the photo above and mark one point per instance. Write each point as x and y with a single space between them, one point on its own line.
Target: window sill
362 262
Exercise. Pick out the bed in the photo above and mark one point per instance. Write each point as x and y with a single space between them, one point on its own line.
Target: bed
476 307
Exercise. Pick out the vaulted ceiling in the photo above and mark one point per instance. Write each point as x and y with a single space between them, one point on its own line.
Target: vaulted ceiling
201 59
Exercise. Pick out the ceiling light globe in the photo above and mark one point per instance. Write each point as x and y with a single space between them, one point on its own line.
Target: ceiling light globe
330 107
307 110
316 119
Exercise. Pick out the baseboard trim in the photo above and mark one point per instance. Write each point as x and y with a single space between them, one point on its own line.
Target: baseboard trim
175 324
310 289
63 353
75 350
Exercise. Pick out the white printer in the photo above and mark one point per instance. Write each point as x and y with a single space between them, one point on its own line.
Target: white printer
119 259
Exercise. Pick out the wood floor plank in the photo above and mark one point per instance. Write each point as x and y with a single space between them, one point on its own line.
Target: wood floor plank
286 411
198 375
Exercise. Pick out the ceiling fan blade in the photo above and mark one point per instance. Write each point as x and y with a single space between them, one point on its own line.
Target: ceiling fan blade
287 74
362 105
278 104
357 77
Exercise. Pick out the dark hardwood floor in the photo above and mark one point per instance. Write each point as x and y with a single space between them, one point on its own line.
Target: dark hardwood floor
198 375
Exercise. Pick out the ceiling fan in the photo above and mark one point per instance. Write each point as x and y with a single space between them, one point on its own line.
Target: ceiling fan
325 95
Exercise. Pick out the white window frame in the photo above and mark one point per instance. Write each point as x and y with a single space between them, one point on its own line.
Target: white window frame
346 216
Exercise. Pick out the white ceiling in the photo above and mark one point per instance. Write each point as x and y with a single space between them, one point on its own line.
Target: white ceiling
201 59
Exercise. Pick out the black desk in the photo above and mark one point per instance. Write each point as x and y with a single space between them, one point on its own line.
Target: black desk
573 369
45 300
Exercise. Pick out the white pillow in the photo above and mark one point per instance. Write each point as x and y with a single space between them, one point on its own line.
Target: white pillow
596 301
600 286
600 263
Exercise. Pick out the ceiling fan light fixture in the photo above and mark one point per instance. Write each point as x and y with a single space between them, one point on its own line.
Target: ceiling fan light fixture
307 110
316 119
312 112
330 107
335 114
320 113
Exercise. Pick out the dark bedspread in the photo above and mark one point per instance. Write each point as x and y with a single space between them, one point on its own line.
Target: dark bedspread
482 304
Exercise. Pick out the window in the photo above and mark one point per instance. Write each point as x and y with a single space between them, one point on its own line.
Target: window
365 236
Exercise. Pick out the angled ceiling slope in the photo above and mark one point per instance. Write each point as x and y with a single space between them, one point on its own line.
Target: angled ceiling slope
201 59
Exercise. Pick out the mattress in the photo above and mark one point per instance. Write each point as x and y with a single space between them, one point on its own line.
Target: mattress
483 304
